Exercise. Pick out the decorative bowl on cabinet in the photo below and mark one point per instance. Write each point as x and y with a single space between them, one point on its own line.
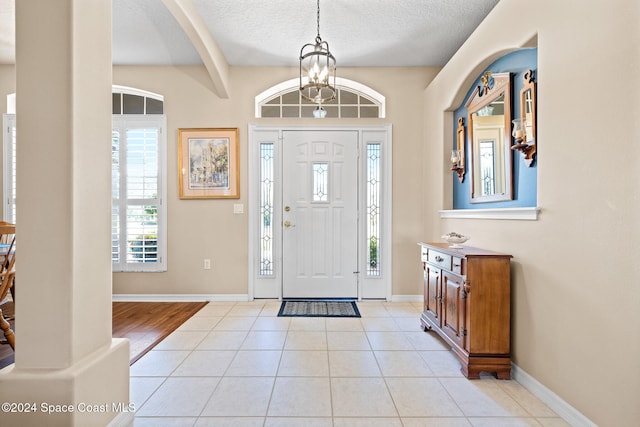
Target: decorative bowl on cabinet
455 240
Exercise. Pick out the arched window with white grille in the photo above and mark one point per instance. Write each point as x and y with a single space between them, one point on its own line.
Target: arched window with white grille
354 100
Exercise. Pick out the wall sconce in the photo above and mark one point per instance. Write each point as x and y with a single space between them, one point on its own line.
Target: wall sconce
457 154
518 132
456 160
524 128
524 143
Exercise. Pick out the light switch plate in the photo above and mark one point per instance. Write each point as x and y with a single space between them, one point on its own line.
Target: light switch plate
238 208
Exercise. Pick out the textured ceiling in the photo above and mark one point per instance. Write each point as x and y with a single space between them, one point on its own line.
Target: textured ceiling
271 32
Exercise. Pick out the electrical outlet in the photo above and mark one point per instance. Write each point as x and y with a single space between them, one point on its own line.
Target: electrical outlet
207 264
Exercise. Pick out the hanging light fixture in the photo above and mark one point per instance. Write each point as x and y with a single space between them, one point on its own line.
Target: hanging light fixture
319 112
317 70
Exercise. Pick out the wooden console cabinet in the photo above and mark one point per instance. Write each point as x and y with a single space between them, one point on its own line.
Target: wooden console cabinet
467 301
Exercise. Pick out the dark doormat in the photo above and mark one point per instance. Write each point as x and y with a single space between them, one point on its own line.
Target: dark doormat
318 308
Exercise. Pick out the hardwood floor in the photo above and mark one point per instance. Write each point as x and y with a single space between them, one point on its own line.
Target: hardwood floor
144 323
148 323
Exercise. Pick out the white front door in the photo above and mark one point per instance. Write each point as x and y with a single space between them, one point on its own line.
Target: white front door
320 214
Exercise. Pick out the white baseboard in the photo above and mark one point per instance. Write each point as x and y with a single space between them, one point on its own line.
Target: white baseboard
179 297
217 297
552 400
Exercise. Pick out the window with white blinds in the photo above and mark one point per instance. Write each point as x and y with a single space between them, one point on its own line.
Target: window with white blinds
138 210
9 168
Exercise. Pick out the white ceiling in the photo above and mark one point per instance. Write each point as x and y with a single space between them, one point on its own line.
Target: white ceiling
271 32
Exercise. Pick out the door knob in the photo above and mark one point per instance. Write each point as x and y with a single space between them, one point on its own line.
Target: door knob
287 208
288 224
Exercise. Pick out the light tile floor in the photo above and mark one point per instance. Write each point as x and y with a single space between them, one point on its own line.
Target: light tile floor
239 365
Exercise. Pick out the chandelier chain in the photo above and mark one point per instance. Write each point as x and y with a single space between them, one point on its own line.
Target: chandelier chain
318 19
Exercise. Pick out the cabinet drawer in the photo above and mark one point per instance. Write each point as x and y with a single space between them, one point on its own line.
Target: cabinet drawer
458 266
440 259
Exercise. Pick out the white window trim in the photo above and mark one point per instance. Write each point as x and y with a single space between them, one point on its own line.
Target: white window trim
292 84
8 124
11 103
124 121
133 91
527 213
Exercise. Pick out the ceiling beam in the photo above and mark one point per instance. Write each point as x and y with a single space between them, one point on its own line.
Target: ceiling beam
195 28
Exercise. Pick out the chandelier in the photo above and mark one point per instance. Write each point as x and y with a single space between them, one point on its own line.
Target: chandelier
317 70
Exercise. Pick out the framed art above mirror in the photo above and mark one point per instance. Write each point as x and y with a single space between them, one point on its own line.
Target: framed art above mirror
489 134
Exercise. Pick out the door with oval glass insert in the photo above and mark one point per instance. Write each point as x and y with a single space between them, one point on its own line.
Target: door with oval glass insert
320 214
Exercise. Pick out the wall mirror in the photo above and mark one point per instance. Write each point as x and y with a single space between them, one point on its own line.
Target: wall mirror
526 135
489 133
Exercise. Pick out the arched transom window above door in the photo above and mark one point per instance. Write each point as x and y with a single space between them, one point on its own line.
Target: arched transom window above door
353 100
128 100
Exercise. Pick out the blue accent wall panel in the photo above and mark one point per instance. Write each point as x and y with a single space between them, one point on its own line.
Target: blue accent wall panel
525 179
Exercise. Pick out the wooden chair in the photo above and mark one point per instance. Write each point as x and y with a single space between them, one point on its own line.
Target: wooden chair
7 275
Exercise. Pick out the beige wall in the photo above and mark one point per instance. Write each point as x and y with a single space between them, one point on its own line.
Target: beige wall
575 270
199 229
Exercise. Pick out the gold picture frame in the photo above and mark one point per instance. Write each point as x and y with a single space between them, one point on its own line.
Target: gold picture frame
209 163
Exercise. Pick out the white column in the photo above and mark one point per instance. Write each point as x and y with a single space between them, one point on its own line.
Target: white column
64 351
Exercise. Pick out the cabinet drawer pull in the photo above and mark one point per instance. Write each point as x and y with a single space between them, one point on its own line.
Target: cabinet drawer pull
439 258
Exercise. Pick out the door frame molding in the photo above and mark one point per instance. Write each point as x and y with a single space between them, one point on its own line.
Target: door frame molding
271 287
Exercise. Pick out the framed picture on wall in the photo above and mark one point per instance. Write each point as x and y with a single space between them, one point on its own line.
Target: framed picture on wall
208 163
